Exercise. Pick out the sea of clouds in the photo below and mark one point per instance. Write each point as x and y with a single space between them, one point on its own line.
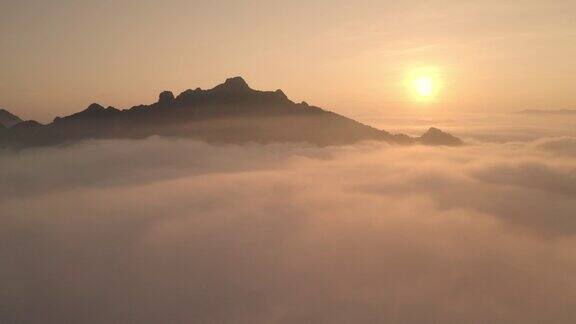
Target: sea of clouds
178 231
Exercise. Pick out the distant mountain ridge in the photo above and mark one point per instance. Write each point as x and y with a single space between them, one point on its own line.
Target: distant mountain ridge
231 112
7 119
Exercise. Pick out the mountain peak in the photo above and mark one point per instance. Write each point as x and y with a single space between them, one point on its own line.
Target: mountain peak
166 97
281 94
234 84
94 107
237 81
28 124
94 110
8 119
433 131
435 136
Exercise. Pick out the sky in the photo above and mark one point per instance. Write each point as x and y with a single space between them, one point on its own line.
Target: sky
59 56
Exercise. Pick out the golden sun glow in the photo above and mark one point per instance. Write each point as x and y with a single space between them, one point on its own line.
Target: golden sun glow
423 83
424 86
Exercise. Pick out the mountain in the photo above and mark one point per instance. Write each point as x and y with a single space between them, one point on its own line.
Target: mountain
231 112
8 119
434 136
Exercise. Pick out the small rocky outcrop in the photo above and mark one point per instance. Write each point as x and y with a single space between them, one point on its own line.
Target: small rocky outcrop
435 136
166 98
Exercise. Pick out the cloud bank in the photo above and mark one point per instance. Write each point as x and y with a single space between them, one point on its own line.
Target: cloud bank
181 231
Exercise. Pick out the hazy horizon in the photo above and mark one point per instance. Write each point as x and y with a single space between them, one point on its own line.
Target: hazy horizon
59 56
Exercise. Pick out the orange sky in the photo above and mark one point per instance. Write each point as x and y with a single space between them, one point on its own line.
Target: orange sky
352 57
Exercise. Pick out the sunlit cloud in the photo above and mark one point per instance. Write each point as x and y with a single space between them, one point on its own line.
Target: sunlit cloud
176 230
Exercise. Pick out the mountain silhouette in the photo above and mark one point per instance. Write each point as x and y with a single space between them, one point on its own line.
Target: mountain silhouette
231 112
8 119
434 136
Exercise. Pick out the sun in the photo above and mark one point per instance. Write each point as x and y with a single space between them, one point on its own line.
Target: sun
424 86
423 83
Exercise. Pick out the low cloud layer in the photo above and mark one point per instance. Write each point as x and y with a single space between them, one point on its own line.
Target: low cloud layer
180 231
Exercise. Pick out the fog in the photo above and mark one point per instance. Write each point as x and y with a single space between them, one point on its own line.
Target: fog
164 230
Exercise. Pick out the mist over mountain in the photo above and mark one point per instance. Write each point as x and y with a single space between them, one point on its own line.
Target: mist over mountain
7 119
231 112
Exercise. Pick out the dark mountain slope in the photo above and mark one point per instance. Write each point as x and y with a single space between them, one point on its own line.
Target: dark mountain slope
8 119
231 112
434 136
